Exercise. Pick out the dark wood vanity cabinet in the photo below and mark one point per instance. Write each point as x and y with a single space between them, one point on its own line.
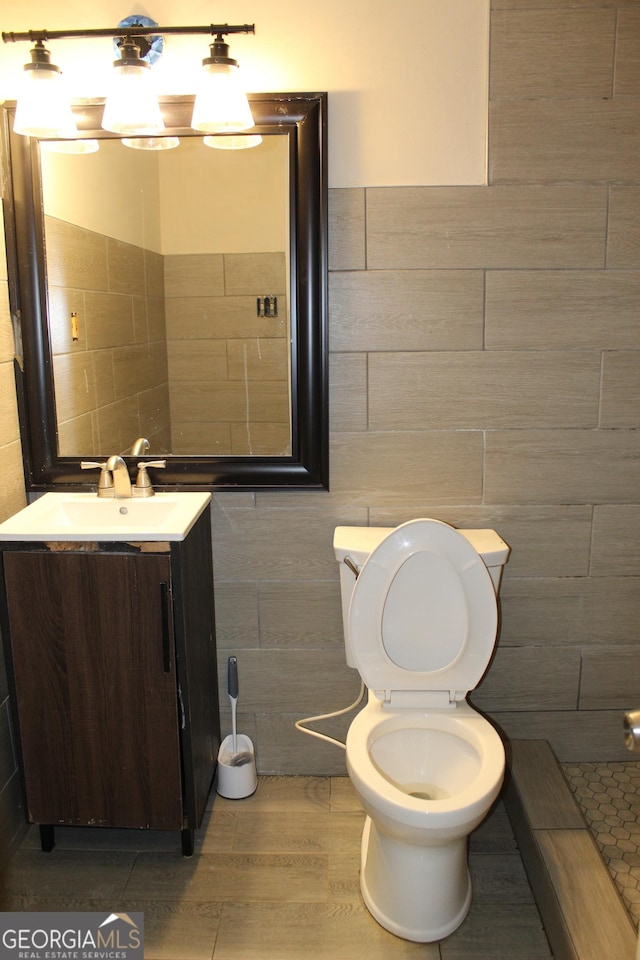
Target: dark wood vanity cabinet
112 657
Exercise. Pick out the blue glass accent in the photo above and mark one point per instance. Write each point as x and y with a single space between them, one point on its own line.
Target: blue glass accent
157 42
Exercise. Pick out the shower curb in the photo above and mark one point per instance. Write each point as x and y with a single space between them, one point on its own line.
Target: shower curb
583 914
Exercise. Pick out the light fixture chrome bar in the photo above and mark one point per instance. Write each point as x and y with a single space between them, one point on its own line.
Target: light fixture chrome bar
135 30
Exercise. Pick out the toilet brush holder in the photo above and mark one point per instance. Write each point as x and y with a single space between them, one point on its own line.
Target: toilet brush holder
237 776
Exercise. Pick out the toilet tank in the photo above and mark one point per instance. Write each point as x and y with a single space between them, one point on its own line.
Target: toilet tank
354 544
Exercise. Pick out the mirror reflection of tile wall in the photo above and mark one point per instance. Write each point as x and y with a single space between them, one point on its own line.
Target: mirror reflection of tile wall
111 381
228 367
170 348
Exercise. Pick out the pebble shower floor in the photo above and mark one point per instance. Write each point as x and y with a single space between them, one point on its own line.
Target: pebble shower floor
609 797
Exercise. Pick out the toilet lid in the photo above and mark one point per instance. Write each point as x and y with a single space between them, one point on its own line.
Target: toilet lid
423 614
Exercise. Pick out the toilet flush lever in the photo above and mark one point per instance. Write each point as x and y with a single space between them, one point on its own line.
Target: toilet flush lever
354 570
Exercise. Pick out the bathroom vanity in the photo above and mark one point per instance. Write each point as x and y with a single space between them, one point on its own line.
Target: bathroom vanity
111 654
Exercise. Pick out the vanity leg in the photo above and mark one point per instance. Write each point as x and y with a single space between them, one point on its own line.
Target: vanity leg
47 837
187 842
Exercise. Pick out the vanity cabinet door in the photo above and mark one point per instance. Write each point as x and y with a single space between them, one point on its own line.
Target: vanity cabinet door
92 647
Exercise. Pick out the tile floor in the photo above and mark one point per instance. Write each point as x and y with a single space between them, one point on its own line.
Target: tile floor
609 797
273 877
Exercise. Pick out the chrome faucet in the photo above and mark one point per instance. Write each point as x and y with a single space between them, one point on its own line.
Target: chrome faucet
121 480
115 481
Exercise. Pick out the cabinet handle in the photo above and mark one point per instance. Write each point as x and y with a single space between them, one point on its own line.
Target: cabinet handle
166 645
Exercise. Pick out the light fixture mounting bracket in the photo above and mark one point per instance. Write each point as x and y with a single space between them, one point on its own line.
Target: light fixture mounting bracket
150 46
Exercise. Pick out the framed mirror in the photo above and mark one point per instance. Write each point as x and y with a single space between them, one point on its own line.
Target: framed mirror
178 295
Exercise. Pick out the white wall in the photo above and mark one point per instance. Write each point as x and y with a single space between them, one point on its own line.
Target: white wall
225 201
213 201
407 101
114 192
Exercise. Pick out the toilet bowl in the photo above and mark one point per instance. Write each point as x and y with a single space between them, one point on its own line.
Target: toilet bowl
420 619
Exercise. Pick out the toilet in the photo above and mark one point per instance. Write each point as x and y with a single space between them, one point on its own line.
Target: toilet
420 621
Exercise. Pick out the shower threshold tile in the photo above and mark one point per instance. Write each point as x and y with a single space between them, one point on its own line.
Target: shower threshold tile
579 878
584 916
543 789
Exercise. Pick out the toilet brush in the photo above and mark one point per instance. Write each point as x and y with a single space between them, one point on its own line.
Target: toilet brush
238 757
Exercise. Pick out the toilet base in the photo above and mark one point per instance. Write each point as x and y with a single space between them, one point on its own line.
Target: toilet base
418 893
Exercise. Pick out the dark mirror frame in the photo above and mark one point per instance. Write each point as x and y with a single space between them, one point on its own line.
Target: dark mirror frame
303 117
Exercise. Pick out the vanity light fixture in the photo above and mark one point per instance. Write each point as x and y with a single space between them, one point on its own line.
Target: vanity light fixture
43 108
221 104
131 108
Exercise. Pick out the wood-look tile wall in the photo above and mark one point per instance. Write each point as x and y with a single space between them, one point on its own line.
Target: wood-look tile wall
111 382
485 370
12 499
228 367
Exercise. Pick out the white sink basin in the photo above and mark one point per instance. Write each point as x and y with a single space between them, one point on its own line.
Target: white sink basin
85 516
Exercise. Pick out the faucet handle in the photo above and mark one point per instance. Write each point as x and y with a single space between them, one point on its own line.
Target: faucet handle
143 486
105 483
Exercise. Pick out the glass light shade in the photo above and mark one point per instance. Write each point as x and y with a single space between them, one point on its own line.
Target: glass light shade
132 106
240 142
221 105
70 146
43 108
151 143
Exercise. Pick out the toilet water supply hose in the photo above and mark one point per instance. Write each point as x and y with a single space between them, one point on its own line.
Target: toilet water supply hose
328 716
338 713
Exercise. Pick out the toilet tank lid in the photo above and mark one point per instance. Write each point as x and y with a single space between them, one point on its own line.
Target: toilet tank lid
358 542
490 545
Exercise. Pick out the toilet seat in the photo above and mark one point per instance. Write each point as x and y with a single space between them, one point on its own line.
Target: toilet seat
423 616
